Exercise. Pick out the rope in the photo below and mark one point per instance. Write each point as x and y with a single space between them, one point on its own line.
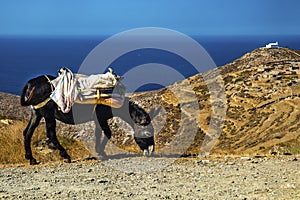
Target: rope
49 81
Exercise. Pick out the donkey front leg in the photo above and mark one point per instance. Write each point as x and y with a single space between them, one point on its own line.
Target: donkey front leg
51 134
28 132
103 113
101 141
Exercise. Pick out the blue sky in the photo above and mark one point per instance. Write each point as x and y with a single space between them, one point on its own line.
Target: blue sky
192 17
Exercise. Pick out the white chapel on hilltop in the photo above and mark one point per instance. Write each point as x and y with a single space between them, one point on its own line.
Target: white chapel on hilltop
272 45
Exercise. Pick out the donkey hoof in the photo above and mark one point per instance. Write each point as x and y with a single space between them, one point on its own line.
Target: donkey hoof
146 153
67 160
34 162
101 157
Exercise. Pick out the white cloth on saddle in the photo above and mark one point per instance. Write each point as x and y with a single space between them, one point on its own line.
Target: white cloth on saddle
67 86
107 80
65 91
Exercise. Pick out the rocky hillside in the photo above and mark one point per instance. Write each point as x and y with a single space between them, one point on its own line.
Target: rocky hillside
248 106
10 107
261 102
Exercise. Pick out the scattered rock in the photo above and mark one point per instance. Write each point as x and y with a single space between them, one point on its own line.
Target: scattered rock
256 155
294 159
6 121
102 181
290 186
278 150
205 161
246 158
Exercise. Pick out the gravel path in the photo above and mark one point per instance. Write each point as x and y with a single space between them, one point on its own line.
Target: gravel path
155 178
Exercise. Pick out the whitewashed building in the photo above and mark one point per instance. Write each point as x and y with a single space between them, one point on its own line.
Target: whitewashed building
272 45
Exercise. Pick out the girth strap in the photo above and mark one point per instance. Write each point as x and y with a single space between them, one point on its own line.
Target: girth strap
42 104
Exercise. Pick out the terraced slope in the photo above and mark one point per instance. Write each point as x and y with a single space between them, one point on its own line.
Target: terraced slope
262 104
263 101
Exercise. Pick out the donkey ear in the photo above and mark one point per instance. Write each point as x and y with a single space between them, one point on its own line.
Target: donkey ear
154 111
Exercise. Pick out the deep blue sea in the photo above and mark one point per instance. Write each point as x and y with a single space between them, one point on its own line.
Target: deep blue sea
22 58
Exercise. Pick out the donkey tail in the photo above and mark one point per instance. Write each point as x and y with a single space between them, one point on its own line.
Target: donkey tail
27 94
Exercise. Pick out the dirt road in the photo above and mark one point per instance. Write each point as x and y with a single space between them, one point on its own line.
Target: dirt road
156 178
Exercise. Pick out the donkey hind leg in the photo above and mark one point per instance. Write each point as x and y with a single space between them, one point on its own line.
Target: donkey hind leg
28 132
51 134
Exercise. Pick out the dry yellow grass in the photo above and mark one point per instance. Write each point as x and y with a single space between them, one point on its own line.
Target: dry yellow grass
11 143
12 147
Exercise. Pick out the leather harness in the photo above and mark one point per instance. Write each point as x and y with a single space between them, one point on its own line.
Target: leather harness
43 103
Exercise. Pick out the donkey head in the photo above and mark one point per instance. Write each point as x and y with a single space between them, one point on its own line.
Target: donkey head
143 128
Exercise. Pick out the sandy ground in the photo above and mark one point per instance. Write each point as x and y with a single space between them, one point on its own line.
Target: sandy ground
155 178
